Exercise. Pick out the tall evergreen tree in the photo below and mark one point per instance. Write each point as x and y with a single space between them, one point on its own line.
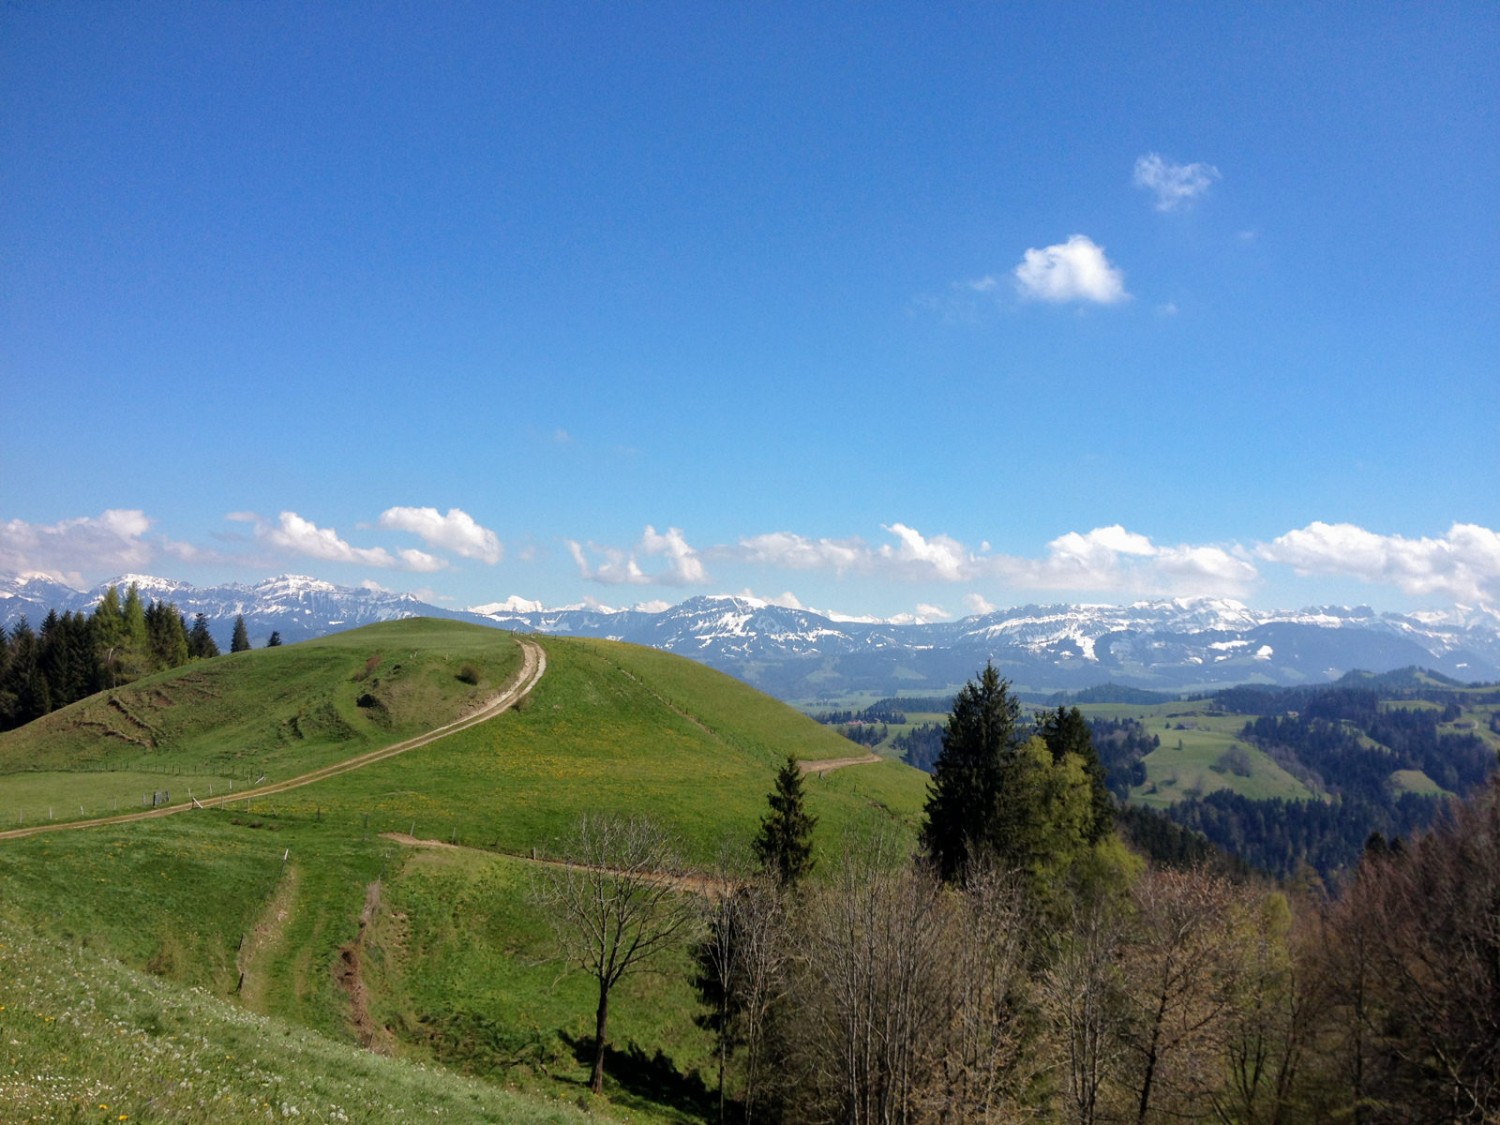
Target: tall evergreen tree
200 642
1066 731
275 639
108 624
167 633
963 796
135 640
241 639
784 845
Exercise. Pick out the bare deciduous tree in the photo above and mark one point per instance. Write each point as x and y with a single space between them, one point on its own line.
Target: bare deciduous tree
1179 973
741 963
1081 1001
614 902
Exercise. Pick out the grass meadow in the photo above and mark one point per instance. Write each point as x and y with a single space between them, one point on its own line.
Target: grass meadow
231 923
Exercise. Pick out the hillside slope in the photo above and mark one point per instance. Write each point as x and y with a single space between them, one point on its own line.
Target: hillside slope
302 907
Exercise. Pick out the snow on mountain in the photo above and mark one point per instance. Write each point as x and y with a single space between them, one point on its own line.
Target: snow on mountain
797 653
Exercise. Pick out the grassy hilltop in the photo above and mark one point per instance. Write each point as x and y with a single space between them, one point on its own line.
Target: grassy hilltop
299 908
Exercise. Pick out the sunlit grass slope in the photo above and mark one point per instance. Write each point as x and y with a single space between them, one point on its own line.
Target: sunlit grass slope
259 904
611 728
89 1040
225 722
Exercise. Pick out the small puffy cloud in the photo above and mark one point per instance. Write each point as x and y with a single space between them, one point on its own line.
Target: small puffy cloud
1464 564
614 566
71 550
1075 270
1175 185
938 557
299 536
456 531
977 604
927 612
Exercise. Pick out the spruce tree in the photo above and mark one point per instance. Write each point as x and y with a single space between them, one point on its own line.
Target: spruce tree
241 639
963 797
200 642
784 845
275 639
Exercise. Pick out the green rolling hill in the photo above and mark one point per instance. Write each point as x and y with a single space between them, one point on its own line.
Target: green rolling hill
278 932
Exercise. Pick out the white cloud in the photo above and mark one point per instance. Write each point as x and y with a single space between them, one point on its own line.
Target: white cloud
1175 185
938 557
456 531
977 604
795 552
1464 564
71 550
1114 560
1106 559
927 612
303 537
1075 270
618 566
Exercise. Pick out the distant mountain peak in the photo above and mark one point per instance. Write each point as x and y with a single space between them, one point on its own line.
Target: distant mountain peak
1165 644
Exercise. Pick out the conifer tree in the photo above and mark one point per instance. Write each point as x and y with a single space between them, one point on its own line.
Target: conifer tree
964 794
275 639
200 642
1065 732
241 640
167 633
784 845
108 625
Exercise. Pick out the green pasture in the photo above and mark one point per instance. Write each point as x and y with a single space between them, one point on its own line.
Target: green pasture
86 1039
1416 781
268 712
1192 763
47 796
253 903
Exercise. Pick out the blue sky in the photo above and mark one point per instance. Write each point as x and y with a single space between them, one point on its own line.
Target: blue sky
883 308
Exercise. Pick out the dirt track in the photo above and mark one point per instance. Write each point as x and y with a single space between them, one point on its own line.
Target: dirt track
533 665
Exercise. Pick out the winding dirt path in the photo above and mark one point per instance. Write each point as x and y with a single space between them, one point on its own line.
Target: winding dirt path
533 665
830 764
691 881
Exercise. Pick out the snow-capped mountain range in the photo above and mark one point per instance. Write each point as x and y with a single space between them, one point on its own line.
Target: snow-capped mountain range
796 653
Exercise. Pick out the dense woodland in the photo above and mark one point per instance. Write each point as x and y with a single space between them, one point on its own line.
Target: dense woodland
74 655
1025 966
1343 742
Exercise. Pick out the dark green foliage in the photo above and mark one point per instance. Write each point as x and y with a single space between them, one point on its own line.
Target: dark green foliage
964 795
1167 844
166 635
920 746
1065 731
784 845
275 639
200 642
75 654
1342 741
1122 744
241 639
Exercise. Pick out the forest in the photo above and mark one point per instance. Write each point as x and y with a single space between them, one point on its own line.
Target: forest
1025 966
1347 744
75 654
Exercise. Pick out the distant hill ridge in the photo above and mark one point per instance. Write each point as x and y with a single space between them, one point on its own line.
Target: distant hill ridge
1181 644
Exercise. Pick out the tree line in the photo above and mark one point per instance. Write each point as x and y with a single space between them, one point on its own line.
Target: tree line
75 654
1024 964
